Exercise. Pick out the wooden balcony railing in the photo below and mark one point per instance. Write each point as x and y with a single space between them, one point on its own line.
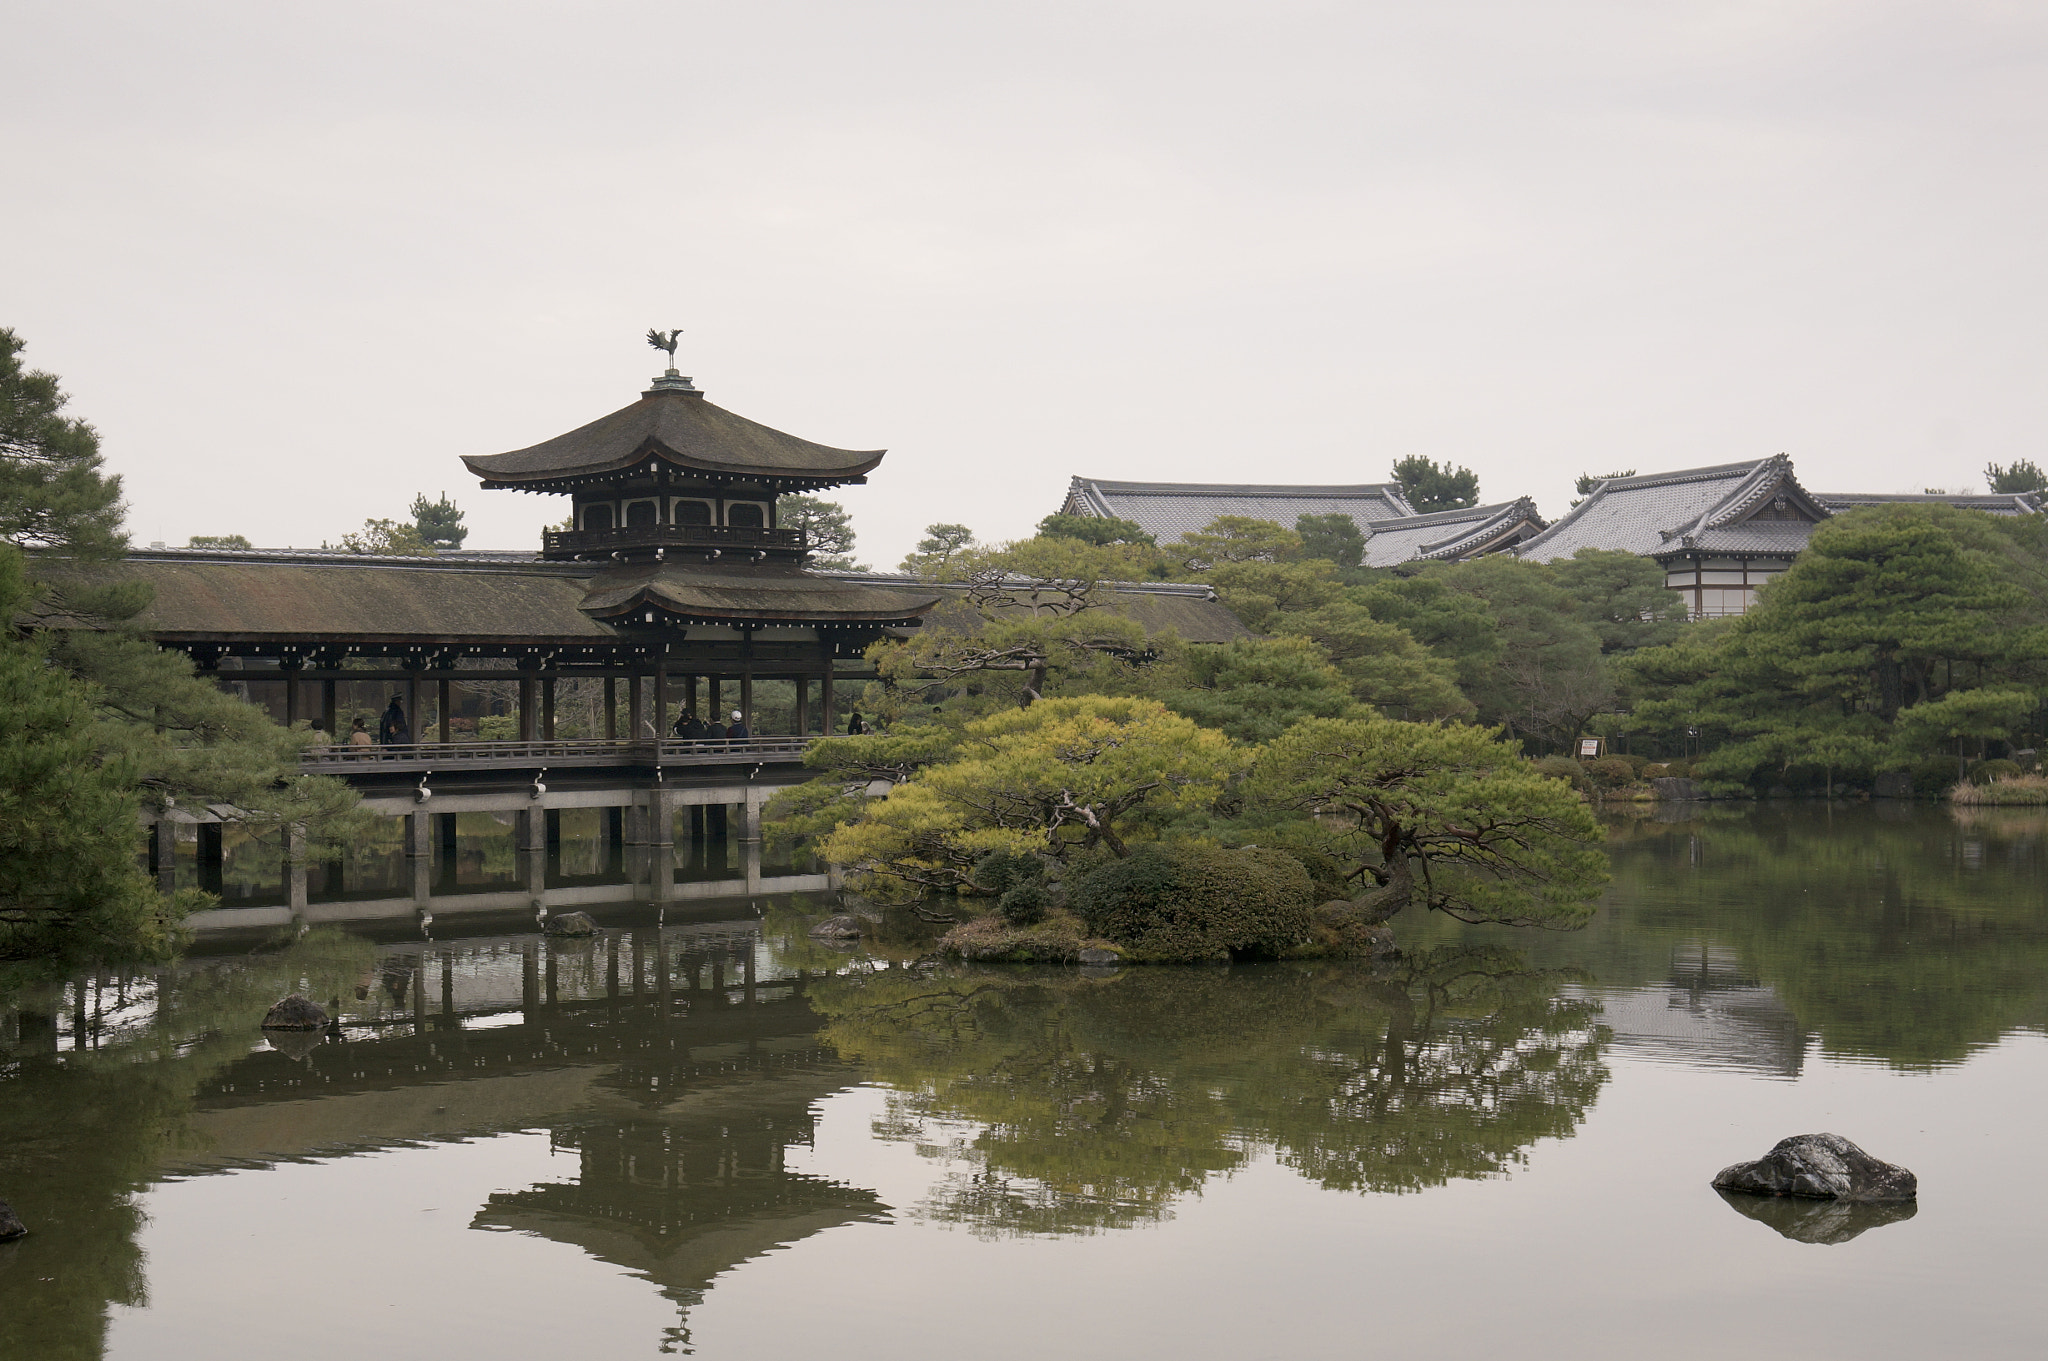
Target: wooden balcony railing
565 543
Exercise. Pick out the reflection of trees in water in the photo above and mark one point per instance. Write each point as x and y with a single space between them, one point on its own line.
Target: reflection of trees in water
80 1134
1899 932
1077 1105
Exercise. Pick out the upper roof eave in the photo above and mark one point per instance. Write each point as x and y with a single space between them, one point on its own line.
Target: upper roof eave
683 430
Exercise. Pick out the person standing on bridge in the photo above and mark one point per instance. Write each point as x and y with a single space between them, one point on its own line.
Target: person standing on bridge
392 730
739 726
358 735
689 727
856 725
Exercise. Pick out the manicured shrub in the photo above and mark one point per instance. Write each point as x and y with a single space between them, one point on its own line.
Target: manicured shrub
1679 769
1019 883
1935 775
1984 772
1185 902
1610 772
1561 768
1655 771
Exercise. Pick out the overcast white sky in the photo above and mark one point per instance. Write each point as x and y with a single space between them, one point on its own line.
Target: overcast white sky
293 260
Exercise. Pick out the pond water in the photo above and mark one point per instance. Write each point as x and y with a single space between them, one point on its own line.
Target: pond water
713 1136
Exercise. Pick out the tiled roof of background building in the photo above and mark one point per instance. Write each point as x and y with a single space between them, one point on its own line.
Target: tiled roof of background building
1446 535
1167 510
1647 515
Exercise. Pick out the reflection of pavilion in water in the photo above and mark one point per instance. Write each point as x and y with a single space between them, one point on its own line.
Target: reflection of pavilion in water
677 1062
1710 1011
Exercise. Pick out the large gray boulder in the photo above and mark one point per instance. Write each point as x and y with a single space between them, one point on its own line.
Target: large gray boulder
843 927
1678 787
295 1013
572 924
1098 957
11 1226
1821 1167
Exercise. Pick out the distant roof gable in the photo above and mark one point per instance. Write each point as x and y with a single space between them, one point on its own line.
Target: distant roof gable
1167 510
1452 535
1660 512
675 425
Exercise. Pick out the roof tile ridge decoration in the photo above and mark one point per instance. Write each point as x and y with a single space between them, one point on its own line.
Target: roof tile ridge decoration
1773 477
1502 513
1462 515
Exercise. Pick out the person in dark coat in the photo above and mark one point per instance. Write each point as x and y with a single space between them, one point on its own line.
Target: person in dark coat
854 726
714 731
392 730
739 726
689 727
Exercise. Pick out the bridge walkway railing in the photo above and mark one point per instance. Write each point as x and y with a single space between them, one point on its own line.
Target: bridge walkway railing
568 753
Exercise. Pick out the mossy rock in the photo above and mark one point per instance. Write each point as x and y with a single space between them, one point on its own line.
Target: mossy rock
1188 902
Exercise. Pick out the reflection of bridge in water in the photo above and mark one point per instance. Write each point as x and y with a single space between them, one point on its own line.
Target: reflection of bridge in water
679 1063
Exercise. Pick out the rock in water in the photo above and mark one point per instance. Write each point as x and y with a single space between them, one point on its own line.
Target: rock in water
837 928
1823 1167
572 924
1678 787
1097 956
295 1013
11 1226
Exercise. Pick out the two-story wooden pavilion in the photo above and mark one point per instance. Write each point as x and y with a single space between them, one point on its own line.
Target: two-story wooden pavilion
676 580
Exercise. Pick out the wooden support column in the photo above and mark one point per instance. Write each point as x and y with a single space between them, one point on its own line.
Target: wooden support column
547 709
293 708
611 708
690 697
661 699
747 698
714 711
329 715
295 867
803 706
444 704
164 847
828 702
526 708
413 716
635 721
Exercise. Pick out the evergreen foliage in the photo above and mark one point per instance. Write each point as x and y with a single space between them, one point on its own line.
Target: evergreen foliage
936 549
110 720
437 523
1450 817
383 538
236 541
826 526
1095 529
1429 487
1334 538
2020 475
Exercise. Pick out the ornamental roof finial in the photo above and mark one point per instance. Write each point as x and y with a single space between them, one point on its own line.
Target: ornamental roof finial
670 381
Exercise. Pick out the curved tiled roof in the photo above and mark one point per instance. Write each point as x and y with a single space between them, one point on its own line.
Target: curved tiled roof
675 425
780 592
1446 535
1167 510
1651 514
